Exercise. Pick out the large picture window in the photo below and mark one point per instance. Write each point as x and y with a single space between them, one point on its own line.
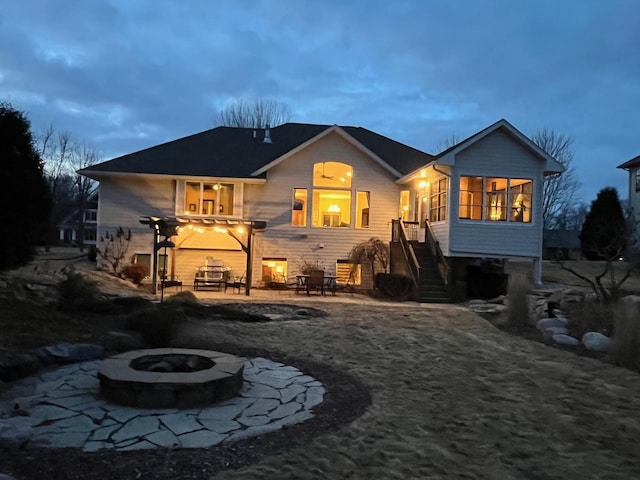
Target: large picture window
438 201
331 205
210 199
496 199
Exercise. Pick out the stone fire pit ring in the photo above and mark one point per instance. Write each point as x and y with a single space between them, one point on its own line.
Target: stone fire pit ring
122 384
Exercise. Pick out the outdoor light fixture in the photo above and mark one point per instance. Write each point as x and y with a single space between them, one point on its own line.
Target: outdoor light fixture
422 184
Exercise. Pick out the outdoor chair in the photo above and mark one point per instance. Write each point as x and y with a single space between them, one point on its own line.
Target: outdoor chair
315 281
237 282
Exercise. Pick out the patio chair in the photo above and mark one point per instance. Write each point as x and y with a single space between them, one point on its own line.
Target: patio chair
315 281
237 282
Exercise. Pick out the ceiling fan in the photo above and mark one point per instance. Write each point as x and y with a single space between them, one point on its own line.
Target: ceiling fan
322 175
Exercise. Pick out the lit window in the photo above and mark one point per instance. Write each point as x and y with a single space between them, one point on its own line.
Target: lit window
331 206
496 199
299 207
347 273
637 179
274 271
208 198
362 210
438 204
405 200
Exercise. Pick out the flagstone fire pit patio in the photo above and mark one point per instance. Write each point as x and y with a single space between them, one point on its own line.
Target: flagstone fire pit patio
170 377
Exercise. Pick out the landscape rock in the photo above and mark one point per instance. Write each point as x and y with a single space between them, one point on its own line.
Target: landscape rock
546 323
15 365
69 352
302 312
596 342
565 340
632 299
498 300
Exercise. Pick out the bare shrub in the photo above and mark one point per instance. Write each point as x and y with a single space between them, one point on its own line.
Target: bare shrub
76 292
518 311
590 315
625 345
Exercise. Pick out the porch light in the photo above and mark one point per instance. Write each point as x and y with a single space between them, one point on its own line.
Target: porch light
216 186
240 230
422 184
405 208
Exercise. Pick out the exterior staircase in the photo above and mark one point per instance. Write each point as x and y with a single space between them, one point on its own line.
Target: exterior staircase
431 288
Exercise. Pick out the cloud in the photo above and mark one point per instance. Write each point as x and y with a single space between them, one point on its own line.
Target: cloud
132 74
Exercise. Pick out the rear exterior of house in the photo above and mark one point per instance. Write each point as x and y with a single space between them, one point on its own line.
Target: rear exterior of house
320 190
633 168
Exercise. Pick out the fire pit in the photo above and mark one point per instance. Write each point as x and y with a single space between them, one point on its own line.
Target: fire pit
170 377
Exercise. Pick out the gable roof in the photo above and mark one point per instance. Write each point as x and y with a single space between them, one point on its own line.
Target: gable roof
447 157
235 153
634 162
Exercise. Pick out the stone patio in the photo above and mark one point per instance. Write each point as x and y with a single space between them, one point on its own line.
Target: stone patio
63 408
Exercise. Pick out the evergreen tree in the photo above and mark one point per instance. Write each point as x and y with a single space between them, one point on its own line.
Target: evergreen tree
24 194
604 233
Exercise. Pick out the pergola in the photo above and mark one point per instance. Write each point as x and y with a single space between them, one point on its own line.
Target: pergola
240 230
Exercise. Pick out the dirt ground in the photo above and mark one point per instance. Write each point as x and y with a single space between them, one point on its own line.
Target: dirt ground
451 397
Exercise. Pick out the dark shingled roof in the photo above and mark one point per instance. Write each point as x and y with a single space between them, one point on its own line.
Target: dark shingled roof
634 162
233 152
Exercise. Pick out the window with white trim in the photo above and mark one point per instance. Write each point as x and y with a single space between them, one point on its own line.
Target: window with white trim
331 205
207 198
438 200
496 199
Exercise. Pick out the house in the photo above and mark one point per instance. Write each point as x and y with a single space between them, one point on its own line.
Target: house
267 201
561 245
633 167
80 224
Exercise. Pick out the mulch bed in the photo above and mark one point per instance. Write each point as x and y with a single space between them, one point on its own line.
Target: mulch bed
346 398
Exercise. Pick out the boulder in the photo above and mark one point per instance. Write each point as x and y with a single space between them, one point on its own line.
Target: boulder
14 365
596 342
499 300
69 353
565 340
546 323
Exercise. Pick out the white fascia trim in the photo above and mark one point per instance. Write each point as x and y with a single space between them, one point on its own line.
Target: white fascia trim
324 133
409 176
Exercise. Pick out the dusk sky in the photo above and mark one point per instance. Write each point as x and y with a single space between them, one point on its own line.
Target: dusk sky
126 75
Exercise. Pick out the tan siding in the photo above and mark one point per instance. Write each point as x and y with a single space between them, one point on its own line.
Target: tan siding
272 202
497 155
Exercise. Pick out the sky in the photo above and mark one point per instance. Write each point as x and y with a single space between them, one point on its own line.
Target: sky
124 75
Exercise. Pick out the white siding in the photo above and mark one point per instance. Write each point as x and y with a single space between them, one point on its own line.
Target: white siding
124 200
272 202
497 155
634 196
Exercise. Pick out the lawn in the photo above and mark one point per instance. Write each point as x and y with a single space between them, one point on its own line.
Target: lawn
443 394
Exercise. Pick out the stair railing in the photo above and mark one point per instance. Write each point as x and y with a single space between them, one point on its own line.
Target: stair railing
436 253
399 235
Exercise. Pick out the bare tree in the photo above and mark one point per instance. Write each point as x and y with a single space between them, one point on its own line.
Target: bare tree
253 114
63 155
560 191
447 142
